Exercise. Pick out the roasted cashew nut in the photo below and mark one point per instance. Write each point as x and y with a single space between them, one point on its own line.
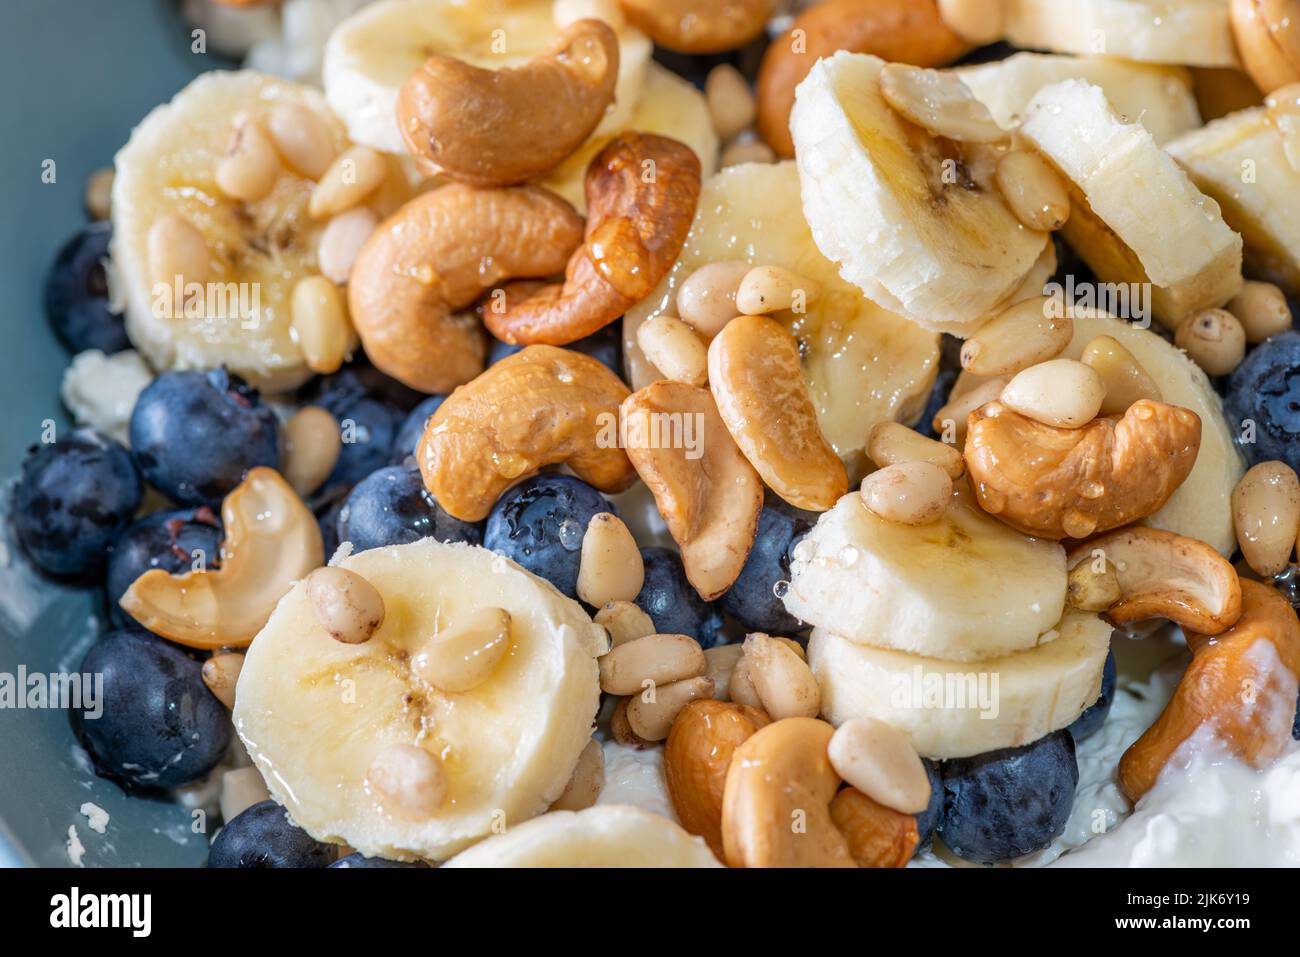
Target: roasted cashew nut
498 127
878 836
538 407
1071 483
271 541
642 191
1241 687
699 26
438 254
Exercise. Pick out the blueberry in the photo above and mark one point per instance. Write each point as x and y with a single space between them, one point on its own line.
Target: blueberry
367 425
171 541
76 294
752 600
196 434
928 820
412 430
672 604
949 369
73 498
160 726
1265 389
357 859
263 836
540 523
1295 726
328 520
392 507
605 345
1090 722
1005 804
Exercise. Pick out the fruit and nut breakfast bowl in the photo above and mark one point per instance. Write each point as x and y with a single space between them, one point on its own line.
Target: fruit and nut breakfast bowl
521 433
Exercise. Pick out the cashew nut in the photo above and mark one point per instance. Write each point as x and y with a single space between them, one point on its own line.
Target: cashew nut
271 541
699 26
1071 483
642 190
498 127
437 254
878 836
538 407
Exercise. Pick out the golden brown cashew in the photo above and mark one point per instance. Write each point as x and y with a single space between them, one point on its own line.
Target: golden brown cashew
271 541
538 407
498 127
439 253
878 836
1241 687
1072 483
699 26
642 190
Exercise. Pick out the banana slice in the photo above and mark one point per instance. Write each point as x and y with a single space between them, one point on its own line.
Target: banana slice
863 364
912 220
1158 97
1136 217
259 249
314 712
370 55
966 587
1192 32
954 709
608 835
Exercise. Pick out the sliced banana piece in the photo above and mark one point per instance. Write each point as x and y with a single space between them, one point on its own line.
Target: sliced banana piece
913 220
370 55
863 364
963 588
1136 216
954 709
315 713
608 835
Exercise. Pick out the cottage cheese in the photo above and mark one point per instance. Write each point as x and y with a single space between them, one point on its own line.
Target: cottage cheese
100 390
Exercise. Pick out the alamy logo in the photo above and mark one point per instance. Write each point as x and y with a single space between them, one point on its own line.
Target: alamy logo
1123 300
58 690
947 691
74 909
212 300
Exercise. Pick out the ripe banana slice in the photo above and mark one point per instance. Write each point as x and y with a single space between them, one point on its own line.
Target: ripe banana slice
1136 217
314 712
954 709
914 221
964 588
862 363
608 835
370 55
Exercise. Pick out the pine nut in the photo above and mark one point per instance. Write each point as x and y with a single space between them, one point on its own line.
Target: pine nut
976 21
348 607
746 151
651 713
353 176
674 349
1215 340
1060 392
570 11
586 782
1091 589
660 659
611 568
720 661
1122 376
178 251
1016 339
770 289
467 653
706 301
221 673
731 101
320 324
881 763
741 688
785 684
909 493
624 621
241 788
1266 513
953 417
1033 191
311 448
1262 309
892 443
250 167
341 240
621 731
99 193
302 138
408 778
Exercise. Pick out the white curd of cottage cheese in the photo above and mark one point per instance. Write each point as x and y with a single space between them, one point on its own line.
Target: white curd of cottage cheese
100 390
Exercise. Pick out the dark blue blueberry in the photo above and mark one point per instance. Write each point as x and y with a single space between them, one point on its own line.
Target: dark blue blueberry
1090 722
1006 804
76 294
752 600
1295 727
196 434
73 498
1265 390
172 541
160 726
367 425
328 520
949 369
672 603
605 345
357 859
928 820
392 507
540 523
263 836
412 430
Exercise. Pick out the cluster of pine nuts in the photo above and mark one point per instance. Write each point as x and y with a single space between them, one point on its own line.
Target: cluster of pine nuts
1266 514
